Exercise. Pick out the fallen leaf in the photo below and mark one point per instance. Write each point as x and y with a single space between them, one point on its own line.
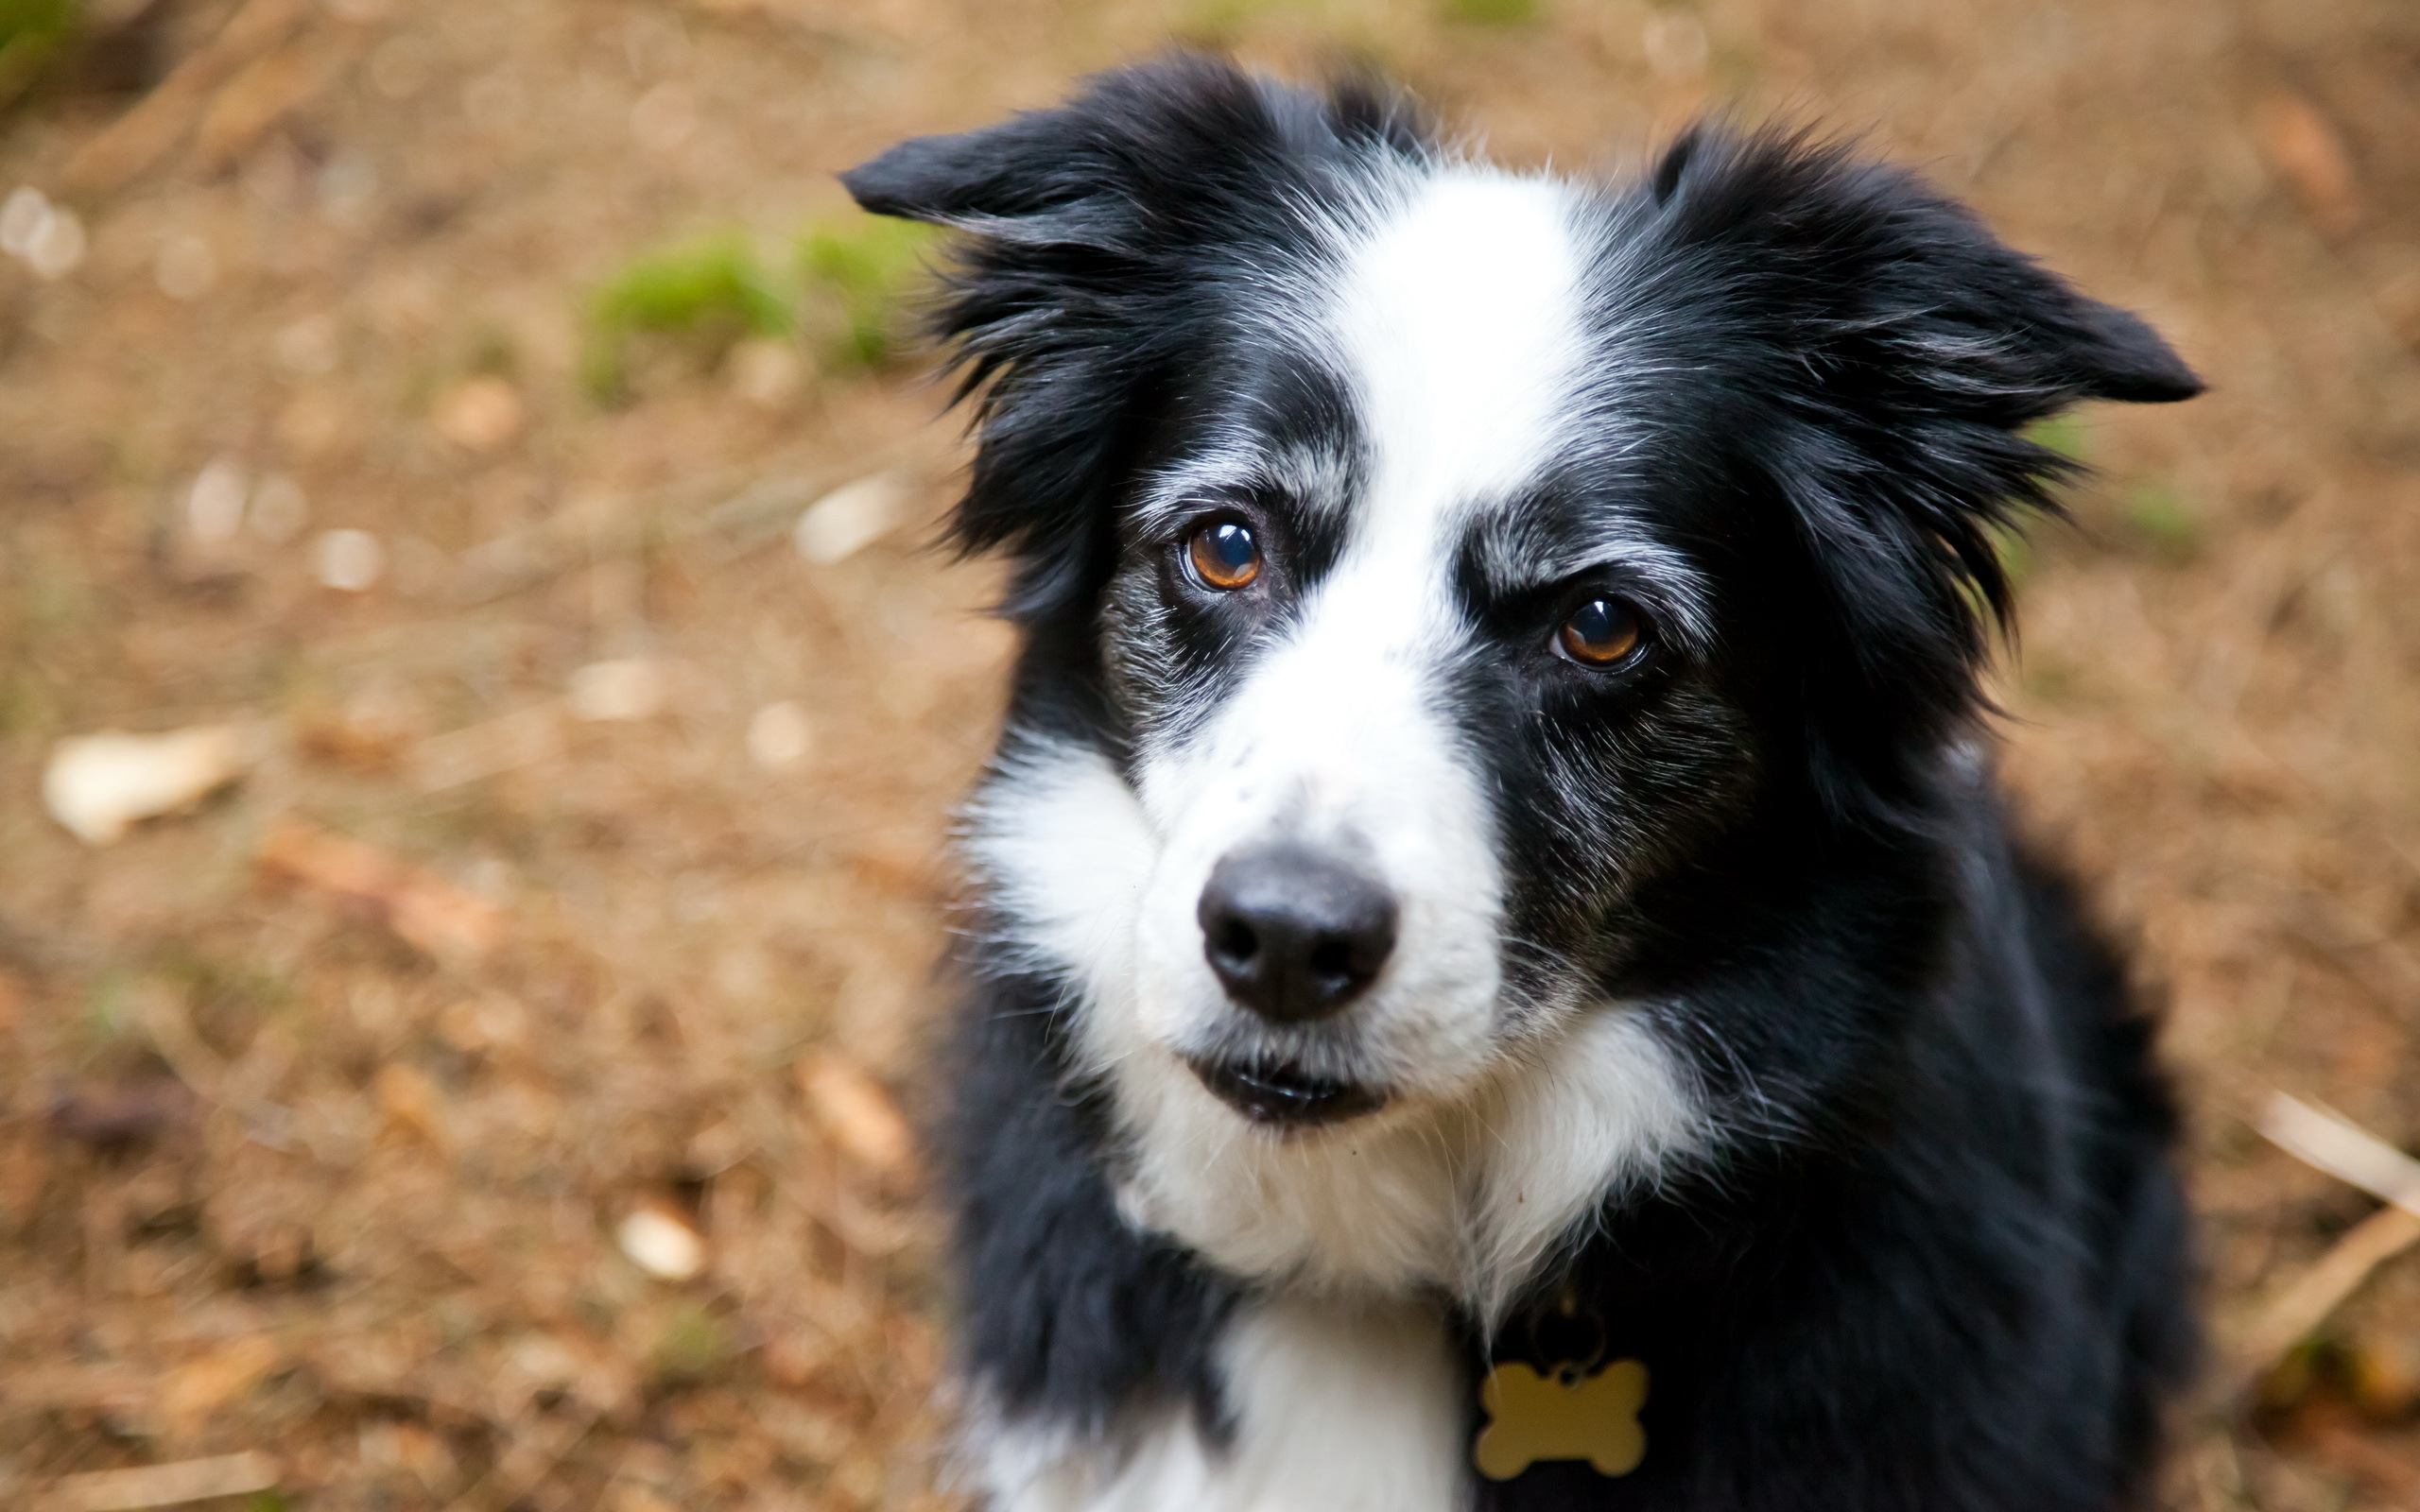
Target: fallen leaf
197 1388
410 1100
254 100
2303 148
850 518
425 911
479 414
100 785
855 1112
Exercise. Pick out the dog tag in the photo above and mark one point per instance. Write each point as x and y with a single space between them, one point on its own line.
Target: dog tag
1562 1415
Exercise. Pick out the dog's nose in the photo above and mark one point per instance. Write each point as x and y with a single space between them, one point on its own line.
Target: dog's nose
1292 934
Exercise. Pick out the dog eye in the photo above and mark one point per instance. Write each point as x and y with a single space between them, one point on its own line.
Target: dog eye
1224 556
1600 633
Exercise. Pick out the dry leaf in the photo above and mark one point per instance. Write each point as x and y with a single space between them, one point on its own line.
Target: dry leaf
254 100
855 1112
850 518
100 785
481 415
425 911
410 1100
195 1390
2303 148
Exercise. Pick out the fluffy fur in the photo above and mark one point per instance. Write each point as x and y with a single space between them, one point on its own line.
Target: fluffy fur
1719 1025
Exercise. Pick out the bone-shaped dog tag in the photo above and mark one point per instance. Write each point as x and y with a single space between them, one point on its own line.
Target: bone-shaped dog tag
1562 1415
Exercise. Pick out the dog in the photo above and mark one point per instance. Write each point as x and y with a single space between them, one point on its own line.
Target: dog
1497 974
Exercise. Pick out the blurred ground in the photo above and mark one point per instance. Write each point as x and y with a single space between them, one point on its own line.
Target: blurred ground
586 862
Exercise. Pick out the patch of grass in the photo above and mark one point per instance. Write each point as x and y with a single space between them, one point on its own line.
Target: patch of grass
31 34
1492 12
2163 522
2063 434
708 295
857 274
2016 552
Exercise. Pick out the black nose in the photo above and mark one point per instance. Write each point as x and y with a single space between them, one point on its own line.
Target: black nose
1294 935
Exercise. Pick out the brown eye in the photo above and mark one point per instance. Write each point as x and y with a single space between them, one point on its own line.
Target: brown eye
1224 556
1601 633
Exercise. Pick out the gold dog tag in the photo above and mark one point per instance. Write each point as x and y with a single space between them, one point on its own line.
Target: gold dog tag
1564 1416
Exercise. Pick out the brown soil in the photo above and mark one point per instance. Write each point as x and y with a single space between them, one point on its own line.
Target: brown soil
323 1152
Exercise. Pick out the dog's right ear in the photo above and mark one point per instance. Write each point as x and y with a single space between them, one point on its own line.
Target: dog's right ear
1091 232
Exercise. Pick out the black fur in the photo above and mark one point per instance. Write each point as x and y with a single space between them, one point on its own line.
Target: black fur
1940 1260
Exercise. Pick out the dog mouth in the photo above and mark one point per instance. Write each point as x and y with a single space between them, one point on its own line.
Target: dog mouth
1280 1095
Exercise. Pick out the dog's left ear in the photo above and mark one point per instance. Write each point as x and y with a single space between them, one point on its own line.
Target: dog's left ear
1896 351
1096 237
1902 291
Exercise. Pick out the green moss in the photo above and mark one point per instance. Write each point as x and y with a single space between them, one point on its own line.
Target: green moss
1221 21
1492 12
2163 522
708 295
858 273
2016 553
2063 434
32 32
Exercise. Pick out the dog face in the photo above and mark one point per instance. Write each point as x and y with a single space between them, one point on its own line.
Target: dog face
1446 588
1416 688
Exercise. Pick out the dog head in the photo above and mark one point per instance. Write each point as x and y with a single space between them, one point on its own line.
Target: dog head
1426 562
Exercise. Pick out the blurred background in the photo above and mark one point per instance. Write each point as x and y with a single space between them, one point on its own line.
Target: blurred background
478 714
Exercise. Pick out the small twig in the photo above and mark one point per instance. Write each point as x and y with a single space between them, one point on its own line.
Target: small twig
2295 1310
162 118
192 1480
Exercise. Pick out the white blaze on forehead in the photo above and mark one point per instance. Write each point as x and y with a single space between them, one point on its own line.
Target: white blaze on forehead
1458 320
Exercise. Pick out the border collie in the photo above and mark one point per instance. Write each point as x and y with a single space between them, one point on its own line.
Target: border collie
1501 977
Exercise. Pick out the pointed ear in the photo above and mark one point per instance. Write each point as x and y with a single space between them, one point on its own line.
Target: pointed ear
1907 290
1093 230
1132 133
1896 351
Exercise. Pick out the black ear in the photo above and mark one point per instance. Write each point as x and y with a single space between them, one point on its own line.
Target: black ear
1095 231
1895 350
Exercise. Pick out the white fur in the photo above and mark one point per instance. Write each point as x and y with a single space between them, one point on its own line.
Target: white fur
1336 1409
1468 1195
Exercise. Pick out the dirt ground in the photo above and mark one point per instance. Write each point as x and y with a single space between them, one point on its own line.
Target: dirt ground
480 1102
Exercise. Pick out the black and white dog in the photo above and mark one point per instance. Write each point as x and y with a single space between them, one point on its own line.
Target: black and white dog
1503 980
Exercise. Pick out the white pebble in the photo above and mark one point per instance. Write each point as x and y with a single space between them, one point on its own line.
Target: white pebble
661 1244
348 560
779 736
